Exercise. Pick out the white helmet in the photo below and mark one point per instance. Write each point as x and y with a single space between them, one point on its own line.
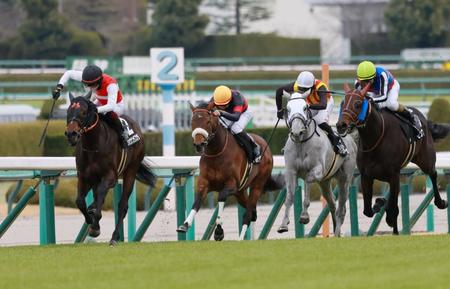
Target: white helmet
305 79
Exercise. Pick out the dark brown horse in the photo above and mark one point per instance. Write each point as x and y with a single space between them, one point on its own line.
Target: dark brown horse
101 161
383 150
224 168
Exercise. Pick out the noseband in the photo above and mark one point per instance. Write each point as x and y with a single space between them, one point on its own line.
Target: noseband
306 124
84 127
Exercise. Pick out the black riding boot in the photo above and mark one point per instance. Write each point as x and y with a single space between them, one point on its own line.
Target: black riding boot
338 145
413 119
114 122
251 149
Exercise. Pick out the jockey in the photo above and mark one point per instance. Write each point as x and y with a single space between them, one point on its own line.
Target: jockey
384 91
108 97
320 102
232 107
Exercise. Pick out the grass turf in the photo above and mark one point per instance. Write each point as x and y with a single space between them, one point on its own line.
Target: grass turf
377 262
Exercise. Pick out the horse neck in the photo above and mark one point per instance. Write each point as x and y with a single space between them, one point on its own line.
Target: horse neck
372 130
91 139
217 143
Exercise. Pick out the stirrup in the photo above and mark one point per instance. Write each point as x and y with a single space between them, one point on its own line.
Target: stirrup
257 154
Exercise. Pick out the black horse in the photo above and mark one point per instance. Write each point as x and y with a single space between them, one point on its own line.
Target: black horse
100 161
384 149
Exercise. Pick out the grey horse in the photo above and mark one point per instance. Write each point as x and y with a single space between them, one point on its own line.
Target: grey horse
308 154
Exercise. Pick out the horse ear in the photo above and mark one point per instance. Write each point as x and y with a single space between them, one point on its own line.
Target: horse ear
88 95
365 89
346 87
71 97
210 106
191 106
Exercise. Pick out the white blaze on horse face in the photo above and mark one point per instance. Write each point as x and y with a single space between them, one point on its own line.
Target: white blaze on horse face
200 131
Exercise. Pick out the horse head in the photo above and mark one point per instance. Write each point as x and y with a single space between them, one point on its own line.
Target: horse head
354 109
81 117
299 116
204 125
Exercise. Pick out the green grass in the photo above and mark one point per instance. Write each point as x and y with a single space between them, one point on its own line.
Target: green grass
378 262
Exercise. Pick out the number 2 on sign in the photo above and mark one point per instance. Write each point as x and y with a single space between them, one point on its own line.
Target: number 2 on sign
164 74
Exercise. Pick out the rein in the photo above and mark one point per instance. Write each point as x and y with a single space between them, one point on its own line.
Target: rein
379 139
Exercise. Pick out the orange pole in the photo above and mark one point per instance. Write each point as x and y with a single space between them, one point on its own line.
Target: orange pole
326 222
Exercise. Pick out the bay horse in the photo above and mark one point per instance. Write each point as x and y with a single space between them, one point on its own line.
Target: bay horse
309 154
100 161
224 168
383 150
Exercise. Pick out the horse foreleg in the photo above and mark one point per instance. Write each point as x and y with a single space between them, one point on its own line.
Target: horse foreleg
102 189
202 190
291 184
127 188
392 210
304 217
328 195
83 189
367 191
223 194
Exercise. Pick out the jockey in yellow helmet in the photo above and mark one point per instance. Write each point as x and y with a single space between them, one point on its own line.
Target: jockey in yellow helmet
233 109
384 90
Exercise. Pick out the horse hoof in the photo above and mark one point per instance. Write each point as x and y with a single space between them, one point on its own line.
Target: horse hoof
441 205
379 203
93 233
112 243
282 229
304 220
183 228
218 233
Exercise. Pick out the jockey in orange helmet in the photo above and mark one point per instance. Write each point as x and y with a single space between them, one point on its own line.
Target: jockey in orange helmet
233 109
108 96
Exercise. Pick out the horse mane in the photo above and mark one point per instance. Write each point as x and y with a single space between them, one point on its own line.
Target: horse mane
91 106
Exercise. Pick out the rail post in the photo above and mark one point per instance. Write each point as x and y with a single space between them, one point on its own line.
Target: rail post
116 200
353 204
46 210
406 229
298 207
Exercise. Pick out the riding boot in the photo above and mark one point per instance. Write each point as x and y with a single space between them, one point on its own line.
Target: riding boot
337 142
251 149
113 120
413 119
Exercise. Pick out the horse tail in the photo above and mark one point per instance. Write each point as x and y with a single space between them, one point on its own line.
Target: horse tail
275 183
145 174
438 130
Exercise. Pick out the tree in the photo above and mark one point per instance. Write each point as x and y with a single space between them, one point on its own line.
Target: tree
45 34
178 23
418 23
237 14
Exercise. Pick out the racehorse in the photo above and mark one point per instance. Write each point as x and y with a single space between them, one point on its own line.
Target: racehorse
224 168
309 154
384 149
100 161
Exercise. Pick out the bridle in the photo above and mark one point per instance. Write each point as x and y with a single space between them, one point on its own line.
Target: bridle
306 124
210 134
359 120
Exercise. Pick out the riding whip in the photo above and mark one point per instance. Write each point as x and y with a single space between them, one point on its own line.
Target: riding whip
44 133
270 137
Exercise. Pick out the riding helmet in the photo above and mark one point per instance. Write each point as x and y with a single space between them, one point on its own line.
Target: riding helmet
92 74
222 95
305 79
366 70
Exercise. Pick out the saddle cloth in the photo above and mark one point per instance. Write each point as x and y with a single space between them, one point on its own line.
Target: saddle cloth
132 136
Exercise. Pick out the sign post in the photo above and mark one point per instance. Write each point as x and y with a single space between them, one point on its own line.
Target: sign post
167 70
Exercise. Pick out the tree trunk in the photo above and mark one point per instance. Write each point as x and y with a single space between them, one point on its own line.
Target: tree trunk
238 17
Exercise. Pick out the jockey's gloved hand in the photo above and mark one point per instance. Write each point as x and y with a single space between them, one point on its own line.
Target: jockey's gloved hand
280 113
57 91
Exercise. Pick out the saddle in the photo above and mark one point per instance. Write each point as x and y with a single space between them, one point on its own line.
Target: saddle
133 137
406 126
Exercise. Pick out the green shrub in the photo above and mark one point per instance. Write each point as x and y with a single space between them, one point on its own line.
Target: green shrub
439 112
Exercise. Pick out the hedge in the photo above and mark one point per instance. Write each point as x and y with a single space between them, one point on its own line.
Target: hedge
254 45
